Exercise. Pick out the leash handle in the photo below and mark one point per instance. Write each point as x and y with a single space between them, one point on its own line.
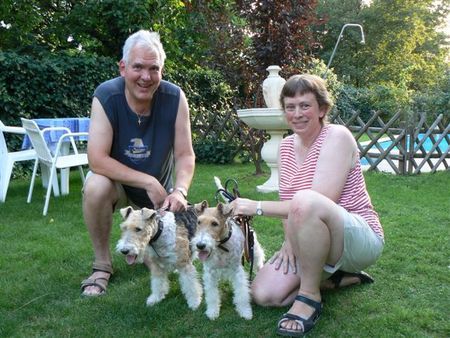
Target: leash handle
226 193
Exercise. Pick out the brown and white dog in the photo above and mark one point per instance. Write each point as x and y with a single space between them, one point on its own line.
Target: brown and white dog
219 242
163 241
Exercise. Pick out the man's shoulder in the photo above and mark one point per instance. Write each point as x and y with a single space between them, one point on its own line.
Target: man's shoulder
112 86
169 88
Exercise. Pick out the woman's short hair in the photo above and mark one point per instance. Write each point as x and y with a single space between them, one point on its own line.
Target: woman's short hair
144 38
307 83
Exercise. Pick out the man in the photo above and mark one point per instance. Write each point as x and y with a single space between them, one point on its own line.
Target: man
139 137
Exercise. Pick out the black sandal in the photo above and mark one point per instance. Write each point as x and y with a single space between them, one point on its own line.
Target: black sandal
306 324
337 277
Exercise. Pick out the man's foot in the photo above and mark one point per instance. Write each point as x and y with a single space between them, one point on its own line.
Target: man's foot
342 279
96 284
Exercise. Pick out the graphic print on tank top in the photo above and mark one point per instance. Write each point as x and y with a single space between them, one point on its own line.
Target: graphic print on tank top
137 151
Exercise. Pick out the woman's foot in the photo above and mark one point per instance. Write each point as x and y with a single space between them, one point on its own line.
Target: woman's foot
301 317
96 284
342 279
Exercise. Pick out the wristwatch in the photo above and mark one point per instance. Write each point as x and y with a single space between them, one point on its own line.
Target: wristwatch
259 210
181 190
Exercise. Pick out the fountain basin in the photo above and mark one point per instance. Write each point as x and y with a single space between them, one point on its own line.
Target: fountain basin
263 118
271 120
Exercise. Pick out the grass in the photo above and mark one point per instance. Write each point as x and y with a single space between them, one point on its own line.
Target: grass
44 259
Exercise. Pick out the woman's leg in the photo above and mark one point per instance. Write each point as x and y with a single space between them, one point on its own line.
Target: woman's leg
316 231
265 294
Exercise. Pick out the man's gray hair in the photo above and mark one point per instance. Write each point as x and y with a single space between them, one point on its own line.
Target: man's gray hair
144 38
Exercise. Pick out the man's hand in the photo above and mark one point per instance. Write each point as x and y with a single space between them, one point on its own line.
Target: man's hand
156 193
175 202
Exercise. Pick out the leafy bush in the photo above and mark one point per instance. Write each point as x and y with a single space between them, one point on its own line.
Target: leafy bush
434 101
206 89
53 85
214 152
389 100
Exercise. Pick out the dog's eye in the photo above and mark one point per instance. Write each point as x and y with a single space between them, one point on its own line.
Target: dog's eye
215 224
138 229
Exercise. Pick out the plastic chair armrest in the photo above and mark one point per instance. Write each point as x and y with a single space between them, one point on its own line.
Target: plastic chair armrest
14 130
72 141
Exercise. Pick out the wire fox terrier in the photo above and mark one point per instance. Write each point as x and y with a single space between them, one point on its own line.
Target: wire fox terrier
162 241
219 242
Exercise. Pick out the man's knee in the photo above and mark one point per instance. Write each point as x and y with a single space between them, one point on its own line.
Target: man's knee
99 188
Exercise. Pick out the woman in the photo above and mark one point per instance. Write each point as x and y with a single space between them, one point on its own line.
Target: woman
328 219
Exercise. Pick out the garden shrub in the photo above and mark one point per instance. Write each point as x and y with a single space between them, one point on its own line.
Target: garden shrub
52 85
214 151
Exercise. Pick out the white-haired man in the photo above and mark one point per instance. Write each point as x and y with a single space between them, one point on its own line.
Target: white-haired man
140 148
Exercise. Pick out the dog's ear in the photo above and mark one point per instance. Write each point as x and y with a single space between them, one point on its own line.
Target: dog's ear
148 214
224 209
125 212
200 207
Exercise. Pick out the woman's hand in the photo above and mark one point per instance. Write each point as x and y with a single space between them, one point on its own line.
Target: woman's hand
284 258
243 207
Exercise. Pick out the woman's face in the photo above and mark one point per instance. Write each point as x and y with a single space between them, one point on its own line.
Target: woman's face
303 113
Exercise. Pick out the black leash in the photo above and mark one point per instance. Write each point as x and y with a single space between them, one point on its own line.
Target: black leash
244 222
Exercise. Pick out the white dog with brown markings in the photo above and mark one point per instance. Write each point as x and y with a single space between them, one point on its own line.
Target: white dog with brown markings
163 241
219 242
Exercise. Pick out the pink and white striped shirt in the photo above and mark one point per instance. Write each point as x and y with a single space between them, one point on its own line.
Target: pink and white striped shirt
354 197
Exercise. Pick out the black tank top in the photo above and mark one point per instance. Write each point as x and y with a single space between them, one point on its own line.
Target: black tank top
147 147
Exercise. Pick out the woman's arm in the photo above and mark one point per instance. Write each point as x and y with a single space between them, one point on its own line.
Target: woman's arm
337 157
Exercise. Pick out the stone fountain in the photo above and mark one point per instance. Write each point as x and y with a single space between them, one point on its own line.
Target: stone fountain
272 120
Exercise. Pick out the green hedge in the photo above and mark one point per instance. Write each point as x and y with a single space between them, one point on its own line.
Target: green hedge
55 85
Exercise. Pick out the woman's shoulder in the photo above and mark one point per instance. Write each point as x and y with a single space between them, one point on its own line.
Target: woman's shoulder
340 136
287 141
337 131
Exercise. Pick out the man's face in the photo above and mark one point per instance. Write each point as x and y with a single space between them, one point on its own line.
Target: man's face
142 74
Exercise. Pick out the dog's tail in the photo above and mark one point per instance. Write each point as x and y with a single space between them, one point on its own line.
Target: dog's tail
220 189
258 253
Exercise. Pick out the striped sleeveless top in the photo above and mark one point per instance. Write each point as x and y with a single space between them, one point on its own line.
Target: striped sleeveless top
354 197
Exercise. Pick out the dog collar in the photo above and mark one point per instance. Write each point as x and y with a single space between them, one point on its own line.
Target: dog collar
223 241
158 233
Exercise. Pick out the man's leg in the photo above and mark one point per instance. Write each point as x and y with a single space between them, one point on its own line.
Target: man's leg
99 197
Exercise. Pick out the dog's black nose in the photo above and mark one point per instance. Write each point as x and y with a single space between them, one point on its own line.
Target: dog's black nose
201 246
125 251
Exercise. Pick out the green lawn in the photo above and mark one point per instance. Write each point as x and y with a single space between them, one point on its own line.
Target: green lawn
44 259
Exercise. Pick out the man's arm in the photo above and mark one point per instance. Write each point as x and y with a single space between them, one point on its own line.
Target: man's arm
184 156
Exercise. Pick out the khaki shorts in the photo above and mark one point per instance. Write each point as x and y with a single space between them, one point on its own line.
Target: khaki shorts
123 200
362 247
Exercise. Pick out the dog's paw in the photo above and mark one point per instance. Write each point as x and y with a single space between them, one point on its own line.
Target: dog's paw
246 312
212 313
194 304
153 299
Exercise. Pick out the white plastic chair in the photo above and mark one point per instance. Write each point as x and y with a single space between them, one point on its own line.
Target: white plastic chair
8 158
61 159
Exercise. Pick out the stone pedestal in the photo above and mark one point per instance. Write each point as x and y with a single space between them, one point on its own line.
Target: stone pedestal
272 120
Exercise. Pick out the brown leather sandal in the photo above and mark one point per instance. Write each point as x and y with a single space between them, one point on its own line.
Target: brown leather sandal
100 282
